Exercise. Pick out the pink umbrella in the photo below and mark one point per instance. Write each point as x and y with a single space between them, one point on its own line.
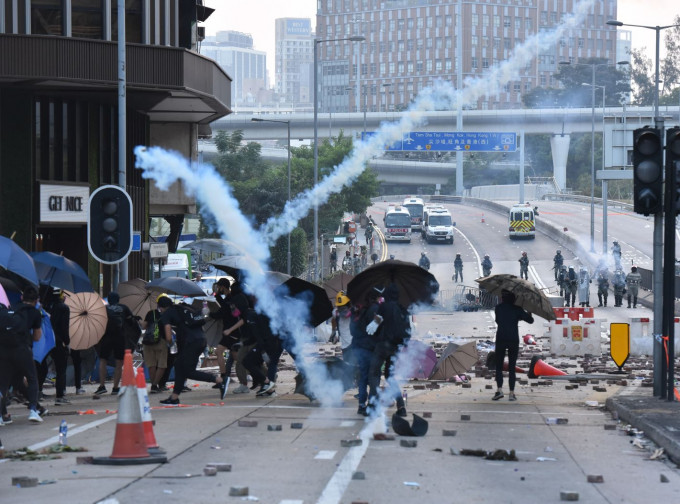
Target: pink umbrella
423 357
3 296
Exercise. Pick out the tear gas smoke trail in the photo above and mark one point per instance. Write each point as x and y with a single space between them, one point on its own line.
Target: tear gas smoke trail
441 96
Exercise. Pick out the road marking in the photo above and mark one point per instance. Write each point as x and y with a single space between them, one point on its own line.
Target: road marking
325 454
537 279
72 432
347 423
479 261
336 486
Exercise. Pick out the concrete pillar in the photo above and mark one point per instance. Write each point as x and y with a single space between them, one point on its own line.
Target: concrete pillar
559 144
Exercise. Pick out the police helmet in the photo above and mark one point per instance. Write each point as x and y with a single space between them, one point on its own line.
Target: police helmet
457 255
524 253
559 251
422 253
571 267
633 269
486 255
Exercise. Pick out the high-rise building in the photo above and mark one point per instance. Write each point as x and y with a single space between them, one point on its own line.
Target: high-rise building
234 52
294 61
411 43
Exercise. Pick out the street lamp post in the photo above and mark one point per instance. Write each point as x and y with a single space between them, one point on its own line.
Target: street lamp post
287 123
316 138
664 305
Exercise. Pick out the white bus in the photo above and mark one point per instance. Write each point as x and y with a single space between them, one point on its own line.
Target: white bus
415 207
398 224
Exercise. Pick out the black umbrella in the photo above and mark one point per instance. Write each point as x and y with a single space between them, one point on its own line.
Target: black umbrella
416 285
215 245
16 264
176 285
232 265
320 307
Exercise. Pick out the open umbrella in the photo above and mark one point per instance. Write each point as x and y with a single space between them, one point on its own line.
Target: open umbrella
234 264
46 342
337 283
57 271
175 285
88 319
416 285
3 297
215 245
423 359
527 295
16 264
135 296
320 307
455 360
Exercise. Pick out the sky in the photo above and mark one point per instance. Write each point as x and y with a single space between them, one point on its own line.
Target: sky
257 18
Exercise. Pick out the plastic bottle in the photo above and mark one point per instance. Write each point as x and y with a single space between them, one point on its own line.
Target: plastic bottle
405 396
205 310
63 433
173 346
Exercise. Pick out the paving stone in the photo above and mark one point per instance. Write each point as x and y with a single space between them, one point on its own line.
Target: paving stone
347 443
609 426
238 491
488 386
427 414
359 475
449 432
599 388
379 436
569 496
595 478
24 481
408 443
247 423
274 427
220 466
465 417
296 425
465 385
210 471
663 478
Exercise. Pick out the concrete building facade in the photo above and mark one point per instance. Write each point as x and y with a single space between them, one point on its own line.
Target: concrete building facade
294 62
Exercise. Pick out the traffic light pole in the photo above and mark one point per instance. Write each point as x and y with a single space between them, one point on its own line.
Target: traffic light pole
122 267
669 272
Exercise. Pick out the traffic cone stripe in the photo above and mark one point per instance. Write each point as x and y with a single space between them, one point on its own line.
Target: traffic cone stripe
540 368
145 410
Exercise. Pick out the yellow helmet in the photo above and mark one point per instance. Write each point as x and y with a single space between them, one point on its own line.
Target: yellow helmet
161 296
341 299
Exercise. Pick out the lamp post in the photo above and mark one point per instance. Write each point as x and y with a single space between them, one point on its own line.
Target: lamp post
316 137
287 123
593 66
663 304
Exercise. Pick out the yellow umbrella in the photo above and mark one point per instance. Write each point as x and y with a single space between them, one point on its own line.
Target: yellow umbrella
88 319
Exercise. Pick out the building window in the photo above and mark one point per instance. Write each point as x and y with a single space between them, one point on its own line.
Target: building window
475 19
419 66
87 19
473 63
496 21
447 65
474 40
409 67
133 22
46 17
485 62
438 65
429 66
506 22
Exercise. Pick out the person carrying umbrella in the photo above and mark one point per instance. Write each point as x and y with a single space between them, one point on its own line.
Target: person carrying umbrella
192 342
508 316
22 325
363 345
155 347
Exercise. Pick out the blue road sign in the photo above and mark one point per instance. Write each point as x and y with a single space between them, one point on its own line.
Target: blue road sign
136 242
452 141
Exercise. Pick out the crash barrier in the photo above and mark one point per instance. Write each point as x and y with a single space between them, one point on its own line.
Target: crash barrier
464 298
574 312
642 335
575 337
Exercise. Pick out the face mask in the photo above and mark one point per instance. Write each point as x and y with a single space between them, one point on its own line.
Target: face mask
236 312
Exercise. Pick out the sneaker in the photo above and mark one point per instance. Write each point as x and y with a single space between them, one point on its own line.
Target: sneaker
266 389
101 390
6 419
33 416
401 412
186 389
154 389
163 388
362 411
256 385
81 391
241 389
61 400
170 401
512 397
498 395
115 390
42 411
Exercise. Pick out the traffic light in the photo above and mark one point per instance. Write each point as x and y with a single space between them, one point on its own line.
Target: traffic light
109 224
673 163
647 171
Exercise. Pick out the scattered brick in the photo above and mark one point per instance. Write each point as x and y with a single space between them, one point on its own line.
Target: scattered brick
569 496
663 478
358 475
347 443
24 481
238 491
449 432
465 417
427 414
379 436
419 387
210 471
296 425
220 466
465 385
274 427
595 478
408 443
488 386
599 388
247 423
84 460
609 426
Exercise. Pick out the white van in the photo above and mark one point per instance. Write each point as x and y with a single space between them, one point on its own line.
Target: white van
438 226
398 224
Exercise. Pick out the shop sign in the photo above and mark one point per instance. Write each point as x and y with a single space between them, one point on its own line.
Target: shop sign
63 203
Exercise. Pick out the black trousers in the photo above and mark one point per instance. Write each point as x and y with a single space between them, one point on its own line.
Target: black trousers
185 365
512 350
18 361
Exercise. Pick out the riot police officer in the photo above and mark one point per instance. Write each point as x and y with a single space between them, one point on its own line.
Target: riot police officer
524 266
619 286
562 279
458 268
602 285
584 287
486 265
424 261
616 253
633 280
570 286
558 261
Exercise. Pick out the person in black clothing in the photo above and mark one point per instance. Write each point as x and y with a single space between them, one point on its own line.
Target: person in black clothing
16 356
191 343
391 319
60 315
363 345
508 316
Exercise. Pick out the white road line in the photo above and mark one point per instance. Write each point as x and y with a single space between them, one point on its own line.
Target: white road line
325 454
336 486
537 279
72 432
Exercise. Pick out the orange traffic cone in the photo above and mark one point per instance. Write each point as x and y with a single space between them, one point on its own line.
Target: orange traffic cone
129 445
145 412
482 218
539 368
491 363
529 339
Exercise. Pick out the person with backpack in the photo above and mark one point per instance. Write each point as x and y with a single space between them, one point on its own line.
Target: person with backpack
113 343
191 343
20 326
155 348
392 322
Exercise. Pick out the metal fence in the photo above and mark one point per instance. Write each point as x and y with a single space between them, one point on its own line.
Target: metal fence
465 298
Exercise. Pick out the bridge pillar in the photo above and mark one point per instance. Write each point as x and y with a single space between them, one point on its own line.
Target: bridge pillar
559 145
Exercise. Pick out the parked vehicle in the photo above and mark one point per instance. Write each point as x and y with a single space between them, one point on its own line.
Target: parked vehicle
398 224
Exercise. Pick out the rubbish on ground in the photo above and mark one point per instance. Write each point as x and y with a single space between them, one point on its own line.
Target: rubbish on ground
545 459
490 455
658 453
412 484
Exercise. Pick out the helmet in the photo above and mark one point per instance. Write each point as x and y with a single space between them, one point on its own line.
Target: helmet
615 242
559 251
341 299
633 269
524 253
457 255
486 255
422 253
571 267
161 296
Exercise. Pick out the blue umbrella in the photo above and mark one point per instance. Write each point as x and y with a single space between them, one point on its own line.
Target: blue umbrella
16 262
47 342
58 271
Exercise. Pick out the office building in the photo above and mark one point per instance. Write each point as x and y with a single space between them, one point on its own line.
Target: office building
294 62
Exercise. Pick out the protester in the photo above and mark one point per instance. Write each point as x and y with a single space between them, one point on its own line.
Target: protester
363 345
508 316
60 316
191 343
155 348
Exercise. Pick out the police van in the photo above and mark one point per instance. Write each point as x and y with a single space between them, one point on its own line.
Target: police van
415 207
522 221
398 224
438 226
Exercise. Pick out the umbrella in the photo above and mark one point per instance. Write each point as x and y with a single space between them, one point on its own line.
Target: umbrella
527 295
215 245
135 296
234 264
176 285
455 360
88 319
423 359
16 262
320 308
337 283
3 297
401 427
213 327
416 285
47 342
58 271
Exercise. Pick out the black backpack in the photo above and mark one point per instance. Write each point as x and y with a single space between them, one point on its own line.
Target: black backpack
12 327
190 317
115 319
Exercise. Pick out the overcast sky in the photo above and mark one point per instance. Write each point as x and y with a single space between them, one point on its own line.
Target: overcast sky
257 18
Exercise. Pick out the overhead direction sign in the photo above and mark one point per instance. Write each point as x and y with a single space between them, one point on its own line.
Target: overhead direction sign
453 141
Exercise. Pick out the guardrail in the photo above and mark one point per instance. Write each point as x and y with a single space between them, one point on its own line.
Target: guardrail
586 199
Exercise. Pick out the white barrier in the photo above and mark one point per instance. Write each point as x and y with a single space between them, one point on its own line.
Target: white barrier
575 337
642 336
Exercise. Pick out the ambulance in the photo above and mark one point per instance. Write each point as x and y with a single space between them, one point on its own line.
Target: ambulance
398 224
522 221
